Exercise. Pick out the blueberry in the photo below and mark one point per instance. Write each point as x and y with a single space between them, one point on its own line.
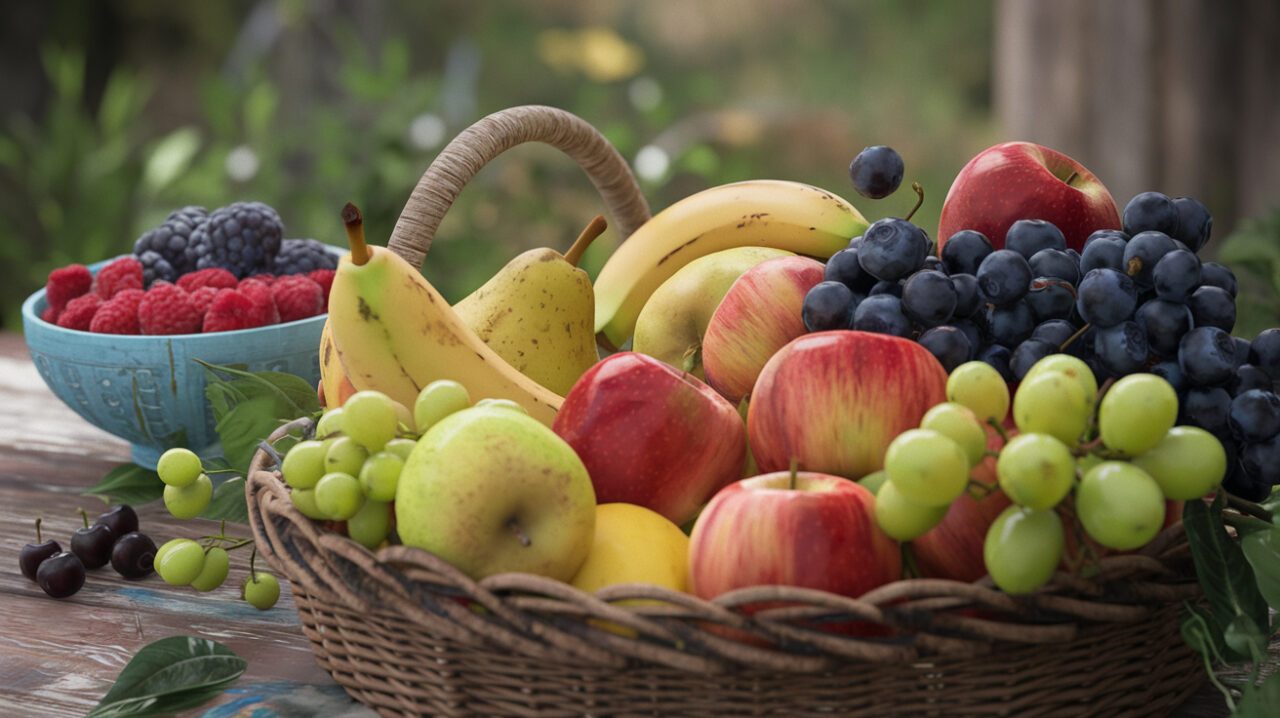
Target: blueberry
929 298
1195 224
1165 324
843 267
997 356
1143 252
971 331
1027 354
1051 298
1216 275
892 248
1028 236
1242 351
1207 408
1172 373
1176 275
893 289
1255 415
1106 297
1103 253
1207 356
1264 352
1010 325
968 295
948 345
1248 377
1150 211
882 314
828 305
1213 307
933 264
876 172
1056 263
1105 234
964 251
1261 461
1121 349
1054 331
1004 277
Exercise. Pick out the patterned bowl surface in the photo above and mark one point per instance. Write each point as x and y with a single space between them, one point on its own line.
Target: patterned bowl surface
149 390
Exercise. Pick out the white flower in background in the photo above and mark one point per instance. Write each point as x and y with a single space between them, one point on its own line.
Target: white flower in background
652 163
426 132
645 93
242 163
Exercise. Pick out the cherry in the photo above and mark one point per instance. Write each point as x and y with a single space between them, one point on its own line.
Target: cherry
92 544
121 519
61 575
133 555
33 554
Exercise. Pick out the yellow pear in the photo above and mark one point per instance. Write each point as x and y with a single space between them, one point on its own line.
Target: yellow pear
538 313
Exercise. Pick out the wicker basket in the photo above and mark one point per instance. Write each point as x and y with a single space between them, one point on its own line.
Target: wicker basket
407 634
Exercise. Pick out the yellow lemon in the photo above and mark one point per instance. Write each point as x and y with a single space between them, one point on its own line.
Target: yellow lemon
634 545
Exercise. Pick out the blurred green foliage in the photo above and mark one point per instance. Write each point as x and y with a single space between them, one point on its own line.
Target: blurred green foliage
1253 251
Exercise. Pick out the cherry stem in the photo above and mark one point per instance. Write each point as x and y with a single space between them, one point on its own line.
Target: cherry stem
795 467
584 240
1248 508
84 516
521 536
39 521
354 223
915 187
1004 435
1071 339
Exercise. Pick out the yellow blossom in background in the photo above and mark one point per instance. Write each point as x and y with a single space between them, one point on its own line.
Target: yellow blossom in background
597 52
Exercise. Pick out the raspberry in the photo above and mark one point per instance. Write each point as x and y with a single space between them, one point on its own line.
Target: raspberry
118 315
167 309
79 312
323 277
300 256
243 238
50 315
231 310
267 279
156 268
172 238
217 278
66 284
264 305
297 298
123 273
202 298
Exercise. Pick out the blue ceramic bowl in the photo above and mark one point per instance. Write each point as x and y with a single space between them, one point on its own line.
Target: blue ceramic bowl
149 390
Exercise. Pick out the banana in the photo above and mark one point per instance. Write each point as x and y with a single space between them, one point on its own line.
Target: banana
393 332
335 388
768 213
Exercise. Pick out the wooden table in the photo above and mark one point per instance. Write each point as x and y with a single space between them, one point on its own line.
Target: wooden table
58 658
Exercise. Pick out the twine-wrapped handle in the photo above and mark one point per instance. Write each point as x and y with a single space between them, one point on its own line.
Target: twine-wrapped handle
471 150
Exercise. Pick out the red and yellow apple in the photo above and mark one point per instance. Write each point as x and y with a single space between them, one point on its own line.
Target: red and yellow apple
811 530
833 401
652 435
1022 180
758 316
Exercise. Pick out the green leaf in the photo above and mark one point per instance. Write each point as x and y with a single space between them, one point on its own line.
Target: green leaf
302 394
170 158
1262 549
1259 701
228 502
168 675
129 484
244 426
1225 576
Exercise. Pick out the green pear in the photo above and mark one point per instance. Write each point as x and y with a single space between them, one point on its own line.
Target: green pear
671 324
538 313
491 490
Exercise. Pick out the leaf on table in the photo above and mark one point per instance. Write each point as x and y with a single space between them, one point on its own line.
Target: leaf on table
168 675
129 484
1259 701
1225 577
228 502
1262 549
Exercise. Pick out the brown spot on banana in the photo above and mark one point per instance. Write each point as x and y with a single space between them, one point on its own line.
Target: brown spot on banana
673 252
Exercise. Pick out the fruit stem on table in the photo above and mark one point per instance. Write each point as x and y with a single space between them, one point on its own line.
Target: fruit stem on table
354 223
584 240
919 190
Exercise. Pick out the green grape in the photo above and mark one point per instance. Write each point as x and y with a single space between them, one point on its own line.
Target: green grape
1023 548
371 524
1052 404
188 501
401 447
179 467
180 563
1036 470
344 456
338 496
330 423
1120 505
437 400
216 565
304 500
1074 368
304 464
958 423
1187 464
900 518
380 475
980 387
261 590
927 468
1087 462
369 417
1136 413
502 404
873 481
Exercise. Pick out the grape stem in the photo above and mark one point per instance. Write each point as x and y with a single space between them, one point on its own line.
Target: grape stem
1086 448
978 490
1071 339
915 187
1241 522
909 565
1248 507
1004 435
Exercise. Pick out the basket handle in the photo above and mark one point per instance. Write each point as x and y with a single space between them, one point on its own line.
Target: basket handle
471 150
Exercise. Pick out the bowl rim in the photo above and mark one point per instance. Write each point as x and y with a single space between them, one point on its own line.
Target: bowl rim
31 317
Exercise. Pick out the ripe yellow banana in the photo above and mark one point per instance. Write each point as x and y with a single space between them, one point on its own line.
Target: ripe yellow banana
766 213
393 332
335 388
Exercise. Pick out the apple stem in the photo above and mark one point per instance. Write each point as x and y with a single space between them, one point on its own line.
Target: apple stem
1004 435
584 240
1069 180
354 223
521 536
915 187
692 358
795 466
39 539
1071 339
84 516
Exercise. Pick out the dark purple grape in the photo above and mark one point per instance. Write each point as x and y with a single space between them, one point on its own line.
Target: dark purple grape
1027 354
1121 349
1207 356
1010 325
1249 477
1150 212
32 554
882 314
971 331
1216 275
1106 297
843 267
1264 352
60 575
998 357
1029 236
92 544
1105 234
1255 416
1051 298
1103 253
122 519
893 248
1165 324
1242 351
1213 307
1248 377
968 295
1056 263
1004 277
933 264
893 289
133 555
828 305
1207 408
1176 275
1195 224
876 172
949 345
928 298
1172 373
1054 331
964 251
1143 252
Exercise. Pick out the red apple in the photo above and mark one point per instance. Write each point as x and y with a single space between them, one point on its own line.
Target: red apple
819 532
834 400
758 316
1022 180
652 435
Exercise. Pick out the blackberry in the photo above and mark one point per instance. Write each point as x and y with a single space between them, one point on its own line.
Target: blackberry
172 239
302 256
242 238
156 268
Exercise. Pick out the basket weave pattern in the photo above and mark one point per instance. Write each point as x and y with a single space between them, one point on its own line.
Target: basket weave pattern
408 634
